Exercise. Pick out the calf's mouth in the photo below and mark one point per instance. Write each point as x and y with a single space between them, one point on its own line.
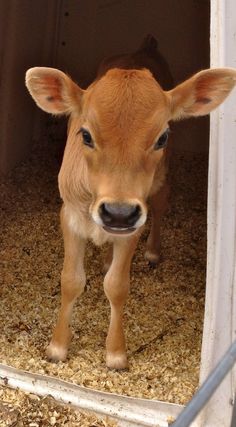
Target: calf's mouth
119 230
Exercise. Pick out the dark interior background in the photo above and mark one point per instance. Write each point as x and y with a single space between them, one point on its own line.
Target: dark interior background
75 36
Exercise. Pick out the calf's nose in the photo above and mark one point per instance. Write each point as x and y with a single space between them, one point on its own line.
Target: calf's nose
119 215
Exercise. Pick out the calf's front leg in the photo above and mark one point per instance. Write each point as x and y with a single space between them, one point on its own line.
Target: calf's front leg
72 285
116 287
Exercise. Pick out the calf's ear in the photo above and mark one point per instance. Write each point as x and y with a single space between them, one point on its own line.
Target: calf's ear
202 93
53 91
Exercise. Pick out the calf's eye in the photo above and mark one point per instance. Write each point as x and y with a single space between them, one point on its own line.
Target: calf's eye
162 141
87 138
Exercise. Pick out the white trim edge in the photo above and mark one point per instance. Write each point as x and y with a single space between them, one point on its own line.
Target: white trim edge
132 411
219 325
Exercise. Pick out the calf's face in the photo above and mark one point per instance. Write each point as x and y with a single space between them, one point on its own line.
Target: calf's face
118 132
121 131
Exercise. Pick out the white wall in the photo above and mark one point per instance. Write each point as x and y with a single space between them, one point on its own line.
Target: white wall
220 319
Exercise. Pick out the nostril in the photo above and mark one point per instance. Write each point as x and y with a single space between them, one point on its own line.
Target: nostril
134 215
119 214
105 214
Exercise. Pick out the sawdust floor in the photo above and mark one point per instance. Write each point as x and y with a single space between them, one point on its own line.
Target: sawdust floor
18 409
164 312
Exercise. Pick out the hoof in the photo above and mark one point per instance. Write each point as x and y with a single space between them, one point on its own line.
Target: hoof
152 264
55 353
152 258
116 361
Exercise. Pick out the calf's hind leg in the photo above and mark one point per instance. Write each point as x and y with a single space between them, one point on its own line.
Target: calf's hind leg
72 285
159 204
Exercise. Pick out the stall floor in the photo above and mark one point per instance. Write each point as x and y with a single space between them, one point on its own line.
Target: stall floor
164 313
19 409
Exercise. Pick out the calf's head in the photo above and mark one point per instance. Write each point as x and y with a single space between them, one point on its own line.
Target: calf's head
118 133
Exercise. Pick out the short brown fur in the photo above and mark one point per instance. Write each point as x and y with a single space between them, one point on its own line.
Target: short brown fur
126 112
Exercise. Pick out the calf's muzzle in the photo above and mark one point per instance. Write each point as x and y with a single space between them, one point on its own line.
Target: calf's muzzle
119 216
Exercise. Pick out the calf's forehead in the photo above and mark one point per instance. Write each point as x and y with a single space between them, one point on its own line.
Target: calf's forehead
127 100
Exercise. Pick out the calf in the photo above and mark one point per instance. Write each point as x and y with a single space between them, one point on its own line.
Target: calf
115 160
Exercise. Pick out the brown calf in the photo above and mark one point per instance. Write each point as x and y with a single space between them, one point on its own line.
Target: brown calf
115 160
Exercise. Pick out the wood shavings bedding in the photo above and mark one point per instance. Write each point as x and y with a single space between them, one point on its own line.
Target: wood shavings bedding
163 315
24 409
